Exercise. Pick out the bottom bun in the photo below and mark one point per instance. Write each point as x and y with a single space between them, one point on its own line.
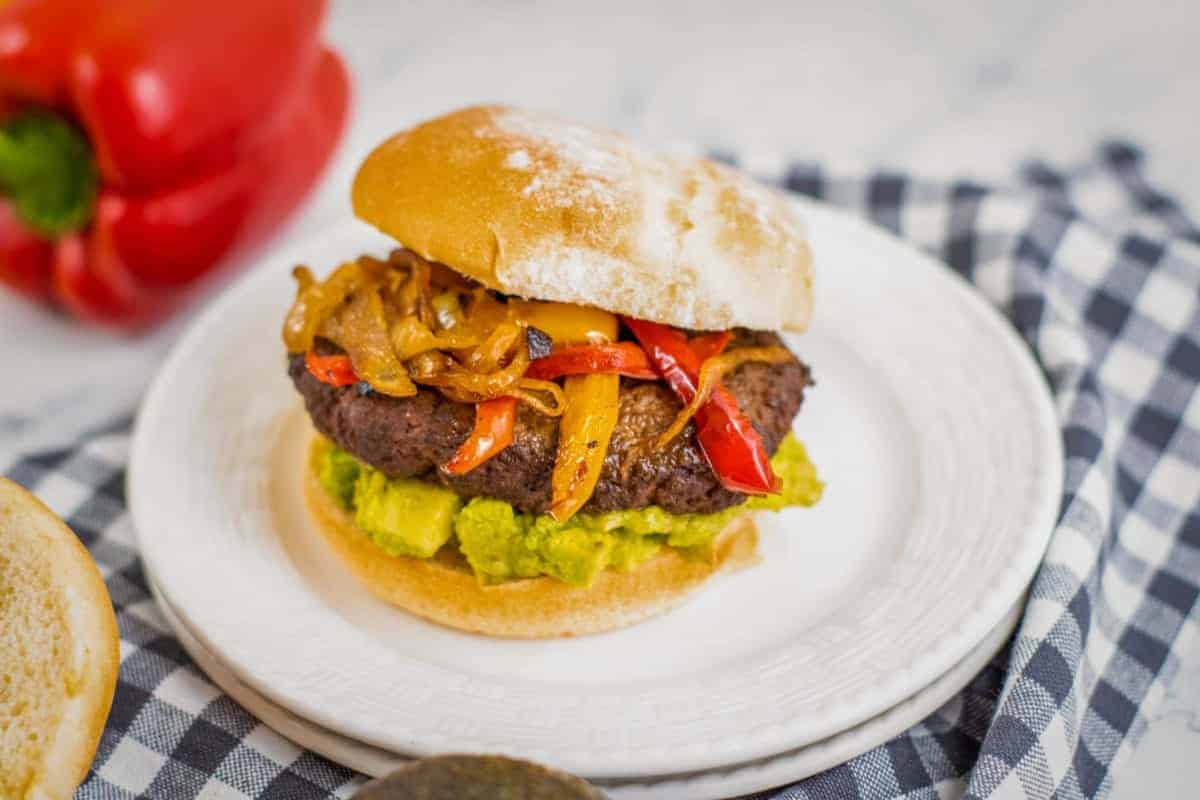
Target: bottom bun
445 590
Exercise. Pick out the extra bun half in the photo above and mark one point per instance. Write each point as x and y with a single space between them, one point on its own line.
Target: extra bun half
443 589
59 651
532 206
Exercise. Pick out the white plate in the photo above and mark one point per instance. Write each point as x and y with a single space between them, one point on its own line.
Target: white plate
733 781
931 424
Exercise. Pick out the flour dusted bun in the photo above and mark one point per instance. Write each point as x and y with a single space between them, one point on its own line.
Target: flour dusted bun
444 589
58 651
533 206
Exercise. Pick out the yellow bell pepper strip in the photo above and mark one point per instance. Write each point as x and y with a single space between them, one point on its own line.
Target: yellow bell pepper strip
565 323
587 423
584 432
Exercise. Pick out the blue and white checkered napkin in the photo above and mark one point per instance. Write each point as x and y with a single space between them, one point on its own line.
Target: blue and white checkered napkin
1100 273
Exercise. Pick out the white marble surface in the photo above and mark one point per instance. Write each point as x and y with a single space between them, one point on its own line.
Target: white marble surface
936 86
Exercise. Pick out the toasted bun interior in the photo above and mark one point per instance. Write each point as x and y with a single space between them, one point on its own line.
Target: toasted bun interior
59 651
533 206
444 589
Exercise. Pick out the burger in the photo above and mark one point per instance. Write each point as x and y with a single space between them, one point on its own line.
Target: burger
556 407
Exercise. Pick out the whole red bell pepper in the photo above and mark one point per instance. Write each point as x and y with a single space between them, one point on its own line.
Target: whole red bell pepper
733 448
142 142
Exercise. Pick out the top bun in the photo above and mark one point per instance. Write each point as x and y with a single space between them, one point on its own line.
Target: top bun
533 206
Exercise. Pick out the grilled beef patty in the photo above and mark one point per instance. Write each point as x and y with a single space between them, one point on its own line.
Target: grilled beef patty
411 436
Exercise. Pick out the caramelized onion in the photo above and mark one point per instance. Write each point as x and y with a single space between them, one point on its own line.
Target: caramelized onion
495 348
528 390
478 386
304 278
405 321
447 310
443 277
711 372
315 301
428 365
413 297
410 338
360 328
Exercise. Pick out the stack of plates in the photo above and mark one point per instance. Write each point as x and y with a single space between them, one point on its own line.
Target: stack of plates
931 425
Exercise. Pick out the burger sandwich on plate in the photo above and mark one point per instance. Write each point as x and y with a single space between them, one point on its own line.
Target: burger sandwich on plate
554 410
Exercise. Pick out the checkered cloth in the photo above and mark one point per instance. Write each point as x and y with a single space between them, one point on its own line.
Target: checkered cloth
1098 271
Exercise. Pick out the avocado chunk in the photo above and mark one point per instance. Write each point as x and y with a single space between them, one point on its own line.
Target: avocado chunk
404 517
801 486
338 471
501 544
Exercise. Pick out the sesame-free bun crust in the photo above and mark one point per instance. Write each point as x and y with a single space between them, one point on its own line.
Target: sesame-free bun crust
533 206
59 651
444 589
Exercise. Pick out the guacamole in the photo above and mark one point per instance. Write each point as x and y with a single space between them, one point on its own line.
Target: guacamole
414 518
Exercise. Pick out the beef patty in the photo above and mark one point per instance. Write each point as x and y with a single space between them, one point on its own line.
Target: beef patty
411 436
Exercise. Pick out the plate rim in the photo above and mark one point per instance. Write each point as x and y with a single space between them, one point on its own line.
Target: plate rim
732 780
765 739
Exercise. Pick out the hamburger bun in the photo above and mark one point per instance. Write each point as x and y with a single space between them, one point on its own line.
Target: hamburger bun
59 651
532 206
443 589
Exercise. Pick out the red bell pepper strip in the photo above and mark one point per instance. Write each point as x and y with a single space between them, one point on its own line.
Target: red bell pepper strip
494 423
619 358
708 345
336 370
733 448
204 123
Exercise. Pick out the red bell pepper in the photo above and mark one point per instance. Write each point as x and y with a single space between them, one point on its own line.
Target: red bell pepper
733 448
336 370
494 423
619 358
708 345
142 142
23 254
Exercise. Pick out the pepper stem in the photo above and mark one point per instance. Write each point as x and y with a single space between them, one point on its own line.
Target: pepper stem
47 169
